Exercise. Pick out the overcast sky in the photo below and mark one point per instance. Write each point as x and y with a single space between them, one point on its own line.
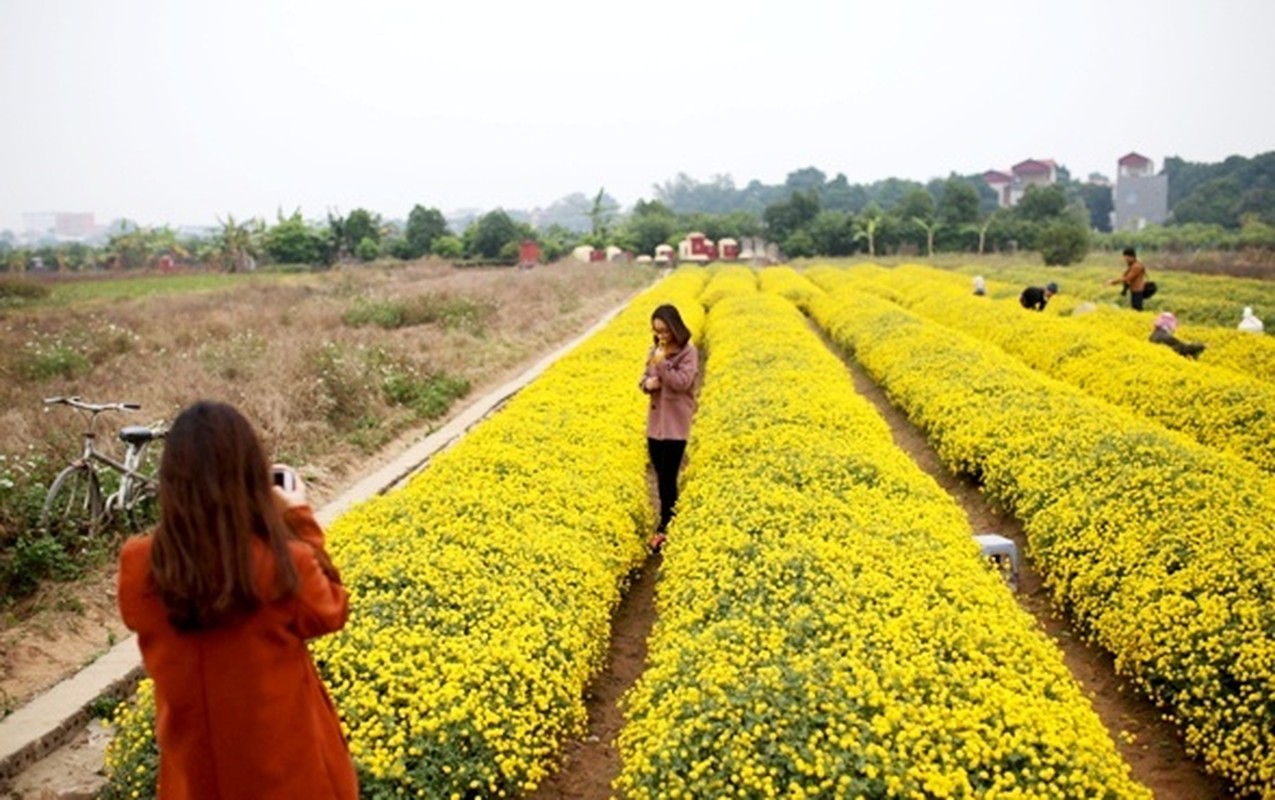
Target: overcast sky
182 112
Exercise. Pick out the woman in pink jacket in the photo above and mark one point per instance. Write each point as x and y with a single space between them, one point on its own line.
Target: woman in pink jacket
670 379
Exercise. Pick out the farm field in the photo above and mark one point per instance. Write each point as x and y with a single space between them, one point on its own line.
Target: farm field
337 369
824 625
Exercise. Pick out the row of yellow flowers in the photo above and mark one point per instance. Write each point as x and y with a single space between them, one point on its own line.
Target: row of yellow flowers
482 592
1216 407
1245 353
1161 547
826 627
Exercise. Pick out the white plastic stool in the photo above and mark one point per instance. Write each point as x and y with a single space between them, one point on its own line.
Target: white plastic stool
996 546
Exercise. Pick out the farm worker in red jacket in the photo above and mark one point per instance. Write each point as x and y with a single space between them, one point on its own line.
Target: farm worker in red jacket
224 595
1134 278
670 378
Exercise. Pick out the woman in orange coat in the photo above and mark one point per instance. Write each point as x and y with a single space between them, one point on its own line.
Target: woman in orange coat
223 596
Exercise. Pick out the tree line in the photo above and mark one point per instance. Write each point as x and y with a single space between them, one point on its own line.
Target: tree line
1226 206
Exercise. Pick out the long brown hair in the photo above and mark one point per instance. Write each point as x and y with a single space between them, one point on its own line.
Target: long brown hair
214 498
670 316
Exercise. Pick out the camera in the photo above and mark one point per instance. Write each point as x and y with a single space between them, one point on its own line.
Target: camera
284 478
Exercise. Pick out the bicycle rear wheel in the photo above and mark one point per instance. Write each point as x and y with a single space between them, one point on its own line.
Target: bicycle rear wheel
74 506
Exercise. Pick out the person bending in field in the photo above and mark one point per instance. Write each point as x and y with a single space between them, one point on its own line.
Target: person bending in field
1134 279
672 370
224 595
1035 298
1165 326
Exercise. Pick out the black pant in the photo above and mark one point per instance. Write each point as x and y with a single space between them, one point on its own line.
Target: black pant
666 457
1135 300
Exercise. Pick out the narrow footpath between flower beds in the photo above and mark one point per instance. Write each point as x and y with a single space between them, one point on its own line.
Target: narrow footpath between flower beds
1152 746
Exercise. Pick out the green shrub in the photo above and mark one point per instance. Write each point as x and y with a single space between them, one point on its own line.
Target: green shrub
15 291
452 313
32 560
1063 243
52 358
447 247
367 249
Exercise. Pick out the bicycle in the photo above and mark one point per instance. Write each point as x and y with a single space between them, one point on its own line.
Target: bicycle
75 504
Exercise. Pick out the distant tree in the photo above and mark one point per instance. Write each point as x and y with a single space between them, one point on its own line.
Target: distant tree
917 209
866 226
649 225
958 203
799 245
783 219
805 180
424 225
832 233
131 248
1097 198
234 245
601 212
489 233
367 249
359 225
292 241
1041 203
447 246
1064 241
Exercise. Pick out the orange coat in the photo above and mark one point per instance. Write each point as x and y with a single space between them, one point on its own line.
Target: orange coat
240 710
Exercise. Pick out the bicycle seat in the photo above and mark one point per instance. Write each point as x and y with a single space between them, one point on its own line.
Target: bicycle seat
136 434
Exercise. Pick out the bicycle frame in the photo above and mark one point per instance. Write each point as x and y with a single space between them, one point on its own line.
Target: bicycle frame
133 484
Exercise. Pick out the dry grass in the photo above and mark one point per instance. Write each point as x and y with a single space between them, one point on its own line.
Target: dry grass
325 394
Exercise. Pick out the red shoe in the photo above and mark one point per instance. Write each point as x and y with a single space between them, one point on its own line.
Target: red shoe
657 541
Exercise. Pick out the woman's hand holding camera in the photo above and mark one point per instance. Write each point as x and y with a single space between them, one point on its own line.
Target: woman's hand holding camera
288 490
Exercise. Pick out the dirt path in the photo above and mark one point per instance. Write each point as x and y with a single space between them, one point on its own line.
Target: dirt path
590 764
1152 746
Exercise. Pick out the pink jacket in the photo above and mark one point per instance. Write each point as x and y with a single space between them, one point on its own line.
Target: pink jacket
673 404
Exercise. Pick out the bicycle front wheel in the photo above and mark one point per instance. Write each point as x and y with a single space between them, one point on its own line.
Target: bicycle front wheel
74 507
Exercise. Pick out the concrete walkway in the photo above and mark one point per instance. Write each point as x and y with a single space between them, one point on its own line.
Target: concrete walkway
48 721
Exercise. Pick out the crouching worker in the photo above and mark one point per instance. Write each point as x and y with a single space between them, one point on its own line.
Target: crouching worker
1034 298
224 595
1165 326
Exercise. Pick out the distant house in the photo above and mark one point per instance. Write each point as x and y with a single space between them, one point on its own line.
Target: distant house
1141 197
1010 186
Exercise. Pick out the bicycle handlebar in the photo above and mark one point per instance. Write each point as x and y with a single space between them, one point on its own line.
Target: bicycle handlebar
76 402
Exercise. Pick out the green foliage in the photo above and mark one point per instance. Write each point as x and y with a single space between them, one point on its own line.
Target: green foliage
45 359
16 291
32 559
399 248
650 225
1064 242
916 204
359 225
959 203
452 313
1223 193
292 241
368 249
784 219
799 245
1098 200
832 233
447 246
424 227
1041 204
490 233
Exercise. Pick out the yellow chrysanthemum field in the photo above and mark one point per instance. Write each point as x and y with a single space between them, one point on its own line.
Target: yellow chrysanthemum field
825 624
